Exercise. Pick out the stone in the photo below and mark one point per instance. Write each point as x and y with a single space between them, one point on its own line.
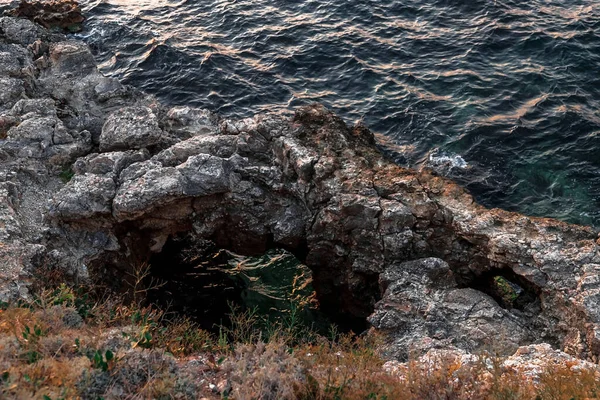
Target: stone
319 187
71 58
46 137
45 130
20 31
423 308
130 128
13 60
109 88
30 108
99 193
187 121
6 122
109 163
62 14
11 90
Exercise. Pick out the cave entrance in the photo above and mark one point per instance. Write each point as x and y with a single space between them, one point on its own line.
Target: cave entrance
203 282
191 280
510 290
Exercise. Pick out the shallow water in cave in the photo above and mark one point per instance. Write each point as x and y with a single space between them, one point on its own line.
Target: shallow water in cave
206 284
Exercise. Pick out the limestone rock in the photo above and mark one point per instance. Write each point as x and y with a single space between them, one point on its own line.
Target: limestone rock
110 164
62 14
531 360
187 121
99 192
130 128
20 31
71 58
320 189
11 90
423 308
30 108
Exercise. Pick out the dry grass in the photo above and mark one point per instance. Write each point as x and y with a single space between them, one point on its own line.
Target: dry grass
561 382
264 371
64 345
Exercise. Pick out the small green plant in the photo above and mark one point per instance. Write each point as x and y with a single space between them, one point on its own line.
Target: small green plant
31 356
141 339
32 335
46 397
144 339
30 343
222 340
508 293
77 346
375 396
103 362
146 320
31 338
63 295
66 174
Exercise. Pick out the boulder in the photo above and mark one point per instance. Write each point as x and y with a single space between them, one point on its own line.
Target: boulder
52 14
130 128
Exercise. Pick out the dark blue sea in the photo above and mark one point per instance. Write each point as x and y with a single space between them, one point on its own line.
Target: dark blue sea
503 96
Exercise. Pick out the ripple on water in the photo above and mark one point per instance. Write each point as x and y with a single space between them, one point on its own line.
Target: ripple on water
509 87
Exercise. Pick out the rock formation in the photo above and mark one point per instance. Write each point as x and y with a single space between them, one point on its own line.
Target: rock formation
408 250
64 15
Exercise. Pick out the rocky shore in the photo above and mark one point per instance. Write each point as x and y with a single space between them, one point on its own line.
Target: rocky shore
97 177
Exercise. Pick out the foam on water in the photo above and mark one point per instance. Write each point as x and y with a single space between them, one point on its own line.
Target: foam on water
437 159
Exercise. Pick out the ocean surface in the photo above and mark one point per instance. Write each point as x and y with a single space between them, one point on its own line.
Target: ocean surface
503 96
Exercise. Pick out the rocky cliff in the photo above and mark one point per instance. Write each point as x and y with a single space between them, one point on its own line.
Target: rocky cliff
410 251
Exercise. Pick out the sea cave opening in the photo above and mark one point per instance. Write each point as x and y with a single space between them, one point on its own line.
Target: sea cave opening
510 290
195 278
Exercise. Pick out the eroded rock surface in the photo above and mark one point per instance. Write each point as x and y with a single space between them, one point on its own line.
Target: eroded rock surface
52 103
409 250
54 14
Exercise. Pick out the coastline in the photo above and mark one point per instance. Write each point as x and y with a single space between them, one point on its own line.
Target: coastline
408 250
